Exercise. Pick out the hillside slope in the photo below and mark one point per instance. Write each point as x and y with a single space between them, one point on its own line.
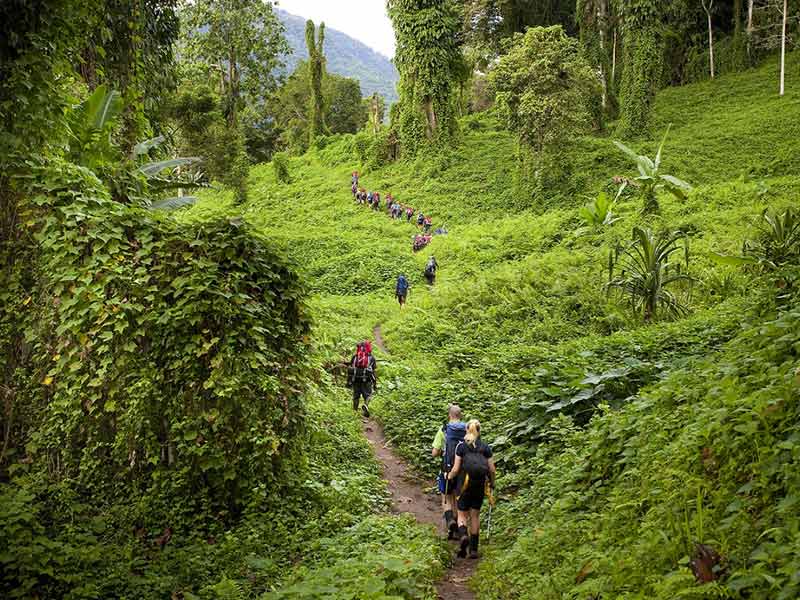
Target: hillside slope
620 444
346 56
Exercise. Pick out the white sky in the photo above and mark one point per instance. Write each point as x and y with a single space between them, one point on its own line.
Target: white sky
364 20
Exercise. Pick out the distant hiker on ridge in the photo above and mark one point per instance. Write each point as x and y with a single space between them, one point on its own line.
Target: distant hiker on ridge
430 270
444 444
401 290
472 470
362 376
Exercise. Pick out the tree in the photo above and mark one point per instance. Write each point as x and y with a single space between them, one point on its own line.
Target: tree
708 6
643 63
544 87
431 66
241 41
316 63
345 112
488 22
771 21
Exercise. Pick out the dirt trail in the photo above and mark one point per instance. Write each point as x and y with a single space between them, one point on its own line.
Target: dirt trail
409 495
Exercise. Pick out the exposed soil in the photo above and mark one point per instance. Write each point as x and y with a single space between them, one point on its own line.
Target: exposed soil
377 334
410 495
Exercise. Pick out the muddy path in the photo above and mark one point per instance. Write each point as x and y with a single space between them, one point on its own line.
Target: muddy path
411 495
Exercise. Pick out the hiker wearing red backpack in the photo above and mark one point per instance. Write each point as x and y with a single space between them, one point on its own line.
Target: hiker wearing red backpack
362 376
444 444
473 472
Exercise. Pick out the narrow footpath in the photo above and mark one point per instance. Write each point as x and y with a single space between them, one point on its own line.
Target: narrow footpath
410 495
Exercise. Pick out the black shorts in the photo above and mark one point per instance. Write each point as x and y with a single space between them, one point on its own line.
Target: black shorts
472 497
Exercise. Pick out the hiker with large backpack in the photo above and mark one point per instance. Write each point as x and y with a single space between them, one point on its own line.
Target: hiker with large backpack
362 376
430 270
444 444
473 471
401 290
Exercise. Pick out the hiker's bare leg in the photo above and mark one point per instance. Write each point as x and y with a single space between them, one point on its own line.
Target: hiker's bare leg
474 521
463 518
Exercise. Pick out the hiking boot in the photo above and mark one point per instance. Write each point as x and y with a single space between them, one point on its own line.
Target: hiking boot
451 530
365 411
462 549
473 546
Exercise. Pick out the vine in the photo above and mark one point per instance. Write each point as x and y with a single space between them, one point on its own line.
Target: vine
431 66
316 63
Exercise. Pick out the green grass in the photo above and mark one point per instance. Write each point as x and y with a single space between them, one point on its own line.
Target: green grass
613 490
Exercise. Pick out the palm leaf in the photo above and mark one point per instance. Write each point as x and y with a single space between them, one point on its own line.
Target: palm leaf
147 145
154 168
173 203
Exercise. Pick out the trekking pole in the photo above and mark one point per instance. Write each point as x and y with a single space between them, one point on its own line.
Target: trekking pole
489 520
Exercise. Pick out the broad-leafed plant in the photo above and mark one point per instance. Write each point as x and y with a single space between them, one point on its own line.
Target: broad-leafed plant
651 181
647 273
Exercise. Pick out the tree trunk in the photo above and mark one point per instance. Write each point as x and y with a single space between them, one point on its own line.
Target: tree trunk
783 45
602 20
614 59
430 113
750 4
708 8
737 17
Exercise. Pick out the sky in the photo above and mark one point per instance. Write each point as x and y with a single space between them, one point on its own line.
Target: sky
364 20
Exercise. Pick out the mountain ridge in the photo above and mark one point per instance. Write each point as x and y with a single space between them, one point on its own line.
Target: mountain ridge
345 56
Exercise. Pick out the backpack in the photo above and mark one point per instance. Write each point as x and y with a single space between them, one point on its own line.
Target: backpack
362 357
475 463
402 285
453 435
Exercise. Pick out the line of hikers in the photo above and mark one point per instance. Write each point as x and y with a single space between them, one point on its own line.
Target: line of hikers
396 210
402 285
467 474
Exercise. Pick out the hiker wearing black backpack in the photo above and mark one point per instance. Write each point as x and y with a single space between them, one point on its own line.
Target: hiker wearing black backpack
401 290
444 444
430 270
473 470
362 376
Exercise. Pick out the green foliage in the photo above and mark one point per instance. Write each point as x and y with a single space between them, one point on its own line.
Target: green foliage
431 66
640 78
651 180
280 163
244 35
600 211
543 87
646 275
316 70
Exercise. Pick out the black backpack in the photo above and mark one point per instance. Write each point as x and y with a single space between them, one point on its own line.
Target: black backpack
475 463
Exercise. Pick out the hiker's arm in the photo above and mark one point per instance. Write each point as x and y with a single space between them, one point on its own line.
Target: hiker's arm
436 452
492 472
456 468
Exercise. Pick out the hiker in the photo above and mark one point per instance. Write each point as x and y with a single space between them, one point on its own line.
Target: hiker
401 290
420 219
420 241
409 214
362 376
354 189
427 225
472 470
430 270
354 179
369 197
444 444
376 203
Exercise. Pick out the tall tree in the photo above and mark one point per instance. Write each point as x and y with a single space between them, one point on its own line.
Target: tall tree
316 63
242 40
431 66
708 6
643 63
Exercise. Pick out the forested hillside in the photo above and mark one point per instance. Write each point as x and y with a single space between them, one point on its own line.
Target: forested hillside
616 301
347 57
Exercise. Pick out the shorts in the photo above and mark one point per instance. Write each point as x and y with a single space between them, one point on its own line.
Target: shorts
472 497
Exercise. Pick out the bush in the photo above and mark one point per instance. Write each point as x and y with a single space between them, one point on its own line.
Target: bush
280 163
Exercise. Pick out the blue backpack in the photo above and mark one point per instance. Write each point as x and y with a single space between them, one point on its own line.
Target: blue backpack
402 285
453 435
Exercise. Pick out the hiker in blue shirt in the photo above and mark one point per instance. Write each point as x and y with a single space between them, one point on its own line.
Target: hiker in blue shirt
444 444
401 290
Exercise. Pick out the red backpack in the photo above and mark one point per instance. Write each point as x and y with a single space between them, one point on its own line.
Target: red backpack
362 355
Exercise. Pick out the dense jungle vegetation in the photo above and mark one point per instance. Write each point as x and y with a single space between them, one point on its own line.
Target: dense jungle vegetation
617 298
